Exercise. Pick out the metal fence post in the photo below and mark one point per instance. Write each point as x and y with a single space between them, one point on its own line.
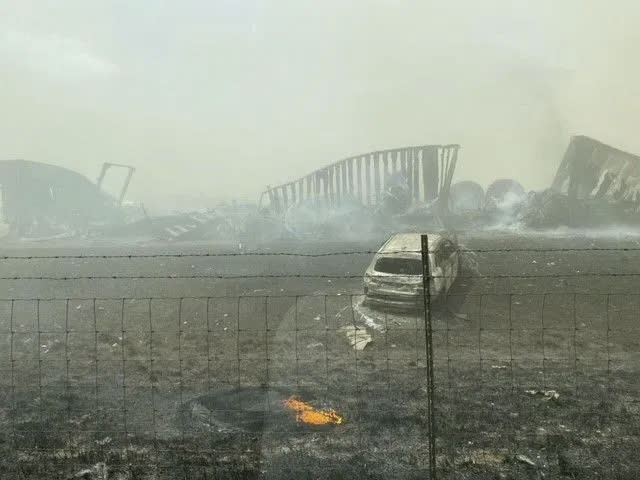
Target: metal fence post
426 277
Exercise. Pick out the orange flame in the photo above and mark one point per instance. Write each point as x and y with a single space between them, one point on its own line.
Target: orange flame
305 413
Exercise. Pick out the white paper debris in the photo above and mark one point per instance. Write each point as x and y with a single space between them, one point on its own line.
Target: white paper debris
357 336
525 459
547 394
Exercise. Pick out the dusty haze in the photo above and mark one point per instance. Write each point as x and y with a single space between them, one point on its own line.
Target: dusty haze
215 99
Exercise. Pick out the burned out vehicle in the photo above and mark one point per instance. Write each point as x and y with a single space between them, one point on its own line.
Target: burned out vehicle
394 279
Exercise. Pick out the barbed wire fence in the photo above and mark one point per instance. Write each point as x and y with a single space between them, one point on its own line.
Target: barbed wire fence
532 380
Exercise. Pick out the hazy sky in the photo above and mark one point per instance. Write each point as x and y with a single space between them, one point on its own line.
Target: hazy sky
215 99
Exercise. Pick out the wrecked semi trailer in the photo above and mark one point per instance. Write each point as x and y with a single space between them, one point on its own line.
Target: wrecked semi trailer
39 199
426 172
595 185
591 170
601 184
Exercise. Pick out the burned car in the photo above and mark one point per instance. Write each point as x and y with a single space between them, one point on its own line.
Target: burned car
394 277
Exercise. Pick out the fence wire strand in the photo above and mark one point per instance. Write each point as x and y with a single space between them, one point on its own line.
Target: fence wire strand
134 256
522 380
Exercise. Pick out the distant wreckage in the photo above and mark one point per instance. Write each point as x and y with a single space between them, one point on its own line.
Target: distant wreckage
376 192
595 186
407 189
42 202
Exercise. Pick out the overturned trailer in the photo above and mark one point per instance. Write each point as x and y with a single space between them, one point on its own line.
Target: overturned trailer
592 170
39 199
425 170
596 185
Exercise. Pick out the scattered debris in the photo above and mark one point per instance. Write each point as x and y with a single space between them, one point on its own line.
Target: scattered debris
342 310
466 196
364 315
423 172
524 459
469 265
41 200
104 441
404 189
98 472
371 324
357 336
483 457
547 394
503 195
591 170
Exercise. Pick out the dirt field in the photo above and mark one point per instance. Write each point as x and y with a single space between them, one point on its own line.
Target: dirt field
535 365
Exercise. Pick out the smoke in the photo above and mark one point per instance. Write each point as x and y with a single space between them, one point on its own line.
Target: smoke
54 56
214 100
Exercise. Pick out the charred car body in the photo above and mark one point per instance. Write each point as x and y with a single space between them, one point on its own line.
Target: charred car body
394 279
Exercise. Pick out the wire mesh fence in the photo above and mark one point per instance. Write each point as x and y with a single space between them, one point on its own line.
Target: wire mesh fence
210 378
532 379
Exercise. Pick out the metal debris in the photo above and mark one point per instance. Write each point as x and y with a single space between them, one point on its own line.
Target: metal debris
466 196
525 459
546 394
357 336
427 170
504 195
47 201
99 471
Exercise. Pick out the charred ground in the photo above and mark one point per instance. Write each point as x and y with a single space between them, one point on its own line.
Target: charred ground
535 317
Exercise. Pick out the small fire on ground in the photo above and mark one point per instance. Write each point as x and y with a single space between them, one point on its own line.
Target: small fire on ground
306 413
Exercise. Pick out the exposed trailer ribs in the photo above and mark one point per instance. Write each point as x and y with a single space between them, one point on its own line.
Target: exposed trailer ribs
427 170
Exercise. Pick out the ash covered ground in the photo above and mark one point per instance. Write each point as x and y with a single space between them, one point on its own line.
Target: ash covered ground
535 361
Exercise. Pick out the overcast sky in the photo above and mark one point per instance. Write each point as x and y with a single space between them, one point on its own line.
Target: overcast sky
214 99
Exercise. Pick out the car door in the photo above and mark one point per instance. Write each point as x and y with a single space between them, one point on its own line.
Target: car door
438 272
449 259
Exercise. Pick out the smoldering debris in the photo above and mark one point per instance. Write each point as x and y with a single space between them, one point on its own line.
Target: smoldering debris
503 195
41 202
595 186
370 194
308 220
466 196
595 173
406 189
387 182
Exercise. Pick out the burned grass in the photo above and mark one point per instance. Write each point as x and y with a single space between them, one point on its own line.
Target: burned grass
187 396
